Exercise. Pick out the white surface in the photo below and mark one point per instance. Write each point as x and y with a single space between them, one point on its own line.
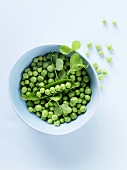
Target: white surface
102 142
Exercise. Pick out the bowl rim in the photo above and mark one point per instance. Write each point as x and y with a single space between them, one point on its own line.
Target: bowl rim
30 125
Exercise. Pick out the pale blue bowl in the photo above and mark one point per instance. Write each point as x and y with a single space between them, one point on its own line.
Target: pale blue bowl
31 119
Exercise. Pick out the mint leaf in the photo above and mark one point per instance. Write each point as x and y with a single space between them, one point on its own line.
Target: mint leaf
62 74
66 108
58 110
56 97
65 49
76 45
74 60
59 64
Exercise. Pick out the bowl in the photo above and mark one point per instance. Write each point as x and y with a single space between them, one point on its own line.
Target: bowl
32 120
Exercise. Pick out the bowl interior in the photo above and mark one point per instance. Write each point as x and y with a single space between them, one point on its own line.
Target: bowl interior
31 119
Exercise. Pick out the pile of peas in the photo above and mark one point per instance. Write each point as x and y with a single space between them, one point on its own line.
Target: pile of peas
40 73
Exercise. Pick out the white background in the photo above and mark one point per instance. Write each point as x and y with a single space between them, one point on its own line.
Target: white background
102 143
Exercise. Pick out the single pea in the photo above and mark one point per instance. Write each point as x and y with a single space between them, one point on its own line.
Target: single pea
29 89
34 110
84 102
35 68
83 85
51 75
81 90
77 92
82 95
67 63
65 97
50 114
22 83
47 92
52 90
50 81
78 105
74 100
50 103
78 73
27 70
42 90
87 97
26 82
44 58
46 105
44 72
62 86
54 117
84 72
87 53
37 84
109 47
104 72
55 54
40 78
68 85
40 64
49 56
86 79
51 108
39 69
30 104
38 114
31 84
74 109
35 73
88 91
38 94
98 70
79 100
73 116
41 84
43 118
77 84
36 101
57 123
45 64
71 94
35 88
33 64
66 102
62 57
100 76
72 72
83 108
67 119
79 78
98 47
38 107
95 65
79 112
72 77
30 73
30 109
33 79
51 68
25 76
104 21
40 58
101 53
62 120
24 89
45 113
42 101
35 60
89 45
66 91
57 88
109 59
50 121
114 23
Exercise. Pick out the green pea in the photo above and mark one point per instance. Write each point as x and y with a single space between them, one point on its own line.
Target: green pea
38 107
25 76
50 114
27 70
57 123
73 101
31 84
22 83
37 102
83 72
38 94
83 84
45 64
37 84
88 91
39 69
79 100
62 120
77 84
65 98
87 97
38 114
50 103
51 75
62 86
44 58
35 68
41 84
54 117
83 108
35 88
43 118
77 92
24 89
81 90
39 64
30 73
46 105
40 58
35 73
35 60
79 112
82 95
45 81
73 116
72 77
66 102
52 90
84 102
86 79
51 68
79 78
74 109
44 72
42 101
30 109
50 81
67 119
45 113
78 73
57 88
62 57
33 64
30 104
47 92
40 78
50 121
33 79
95 65
29 89
71 94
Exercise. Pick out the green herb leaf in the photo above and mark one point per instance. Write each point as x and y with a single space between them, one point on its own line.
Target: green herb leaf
57 97
59 64
78 67
58 110
66 108
62 74
76 45
65 49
